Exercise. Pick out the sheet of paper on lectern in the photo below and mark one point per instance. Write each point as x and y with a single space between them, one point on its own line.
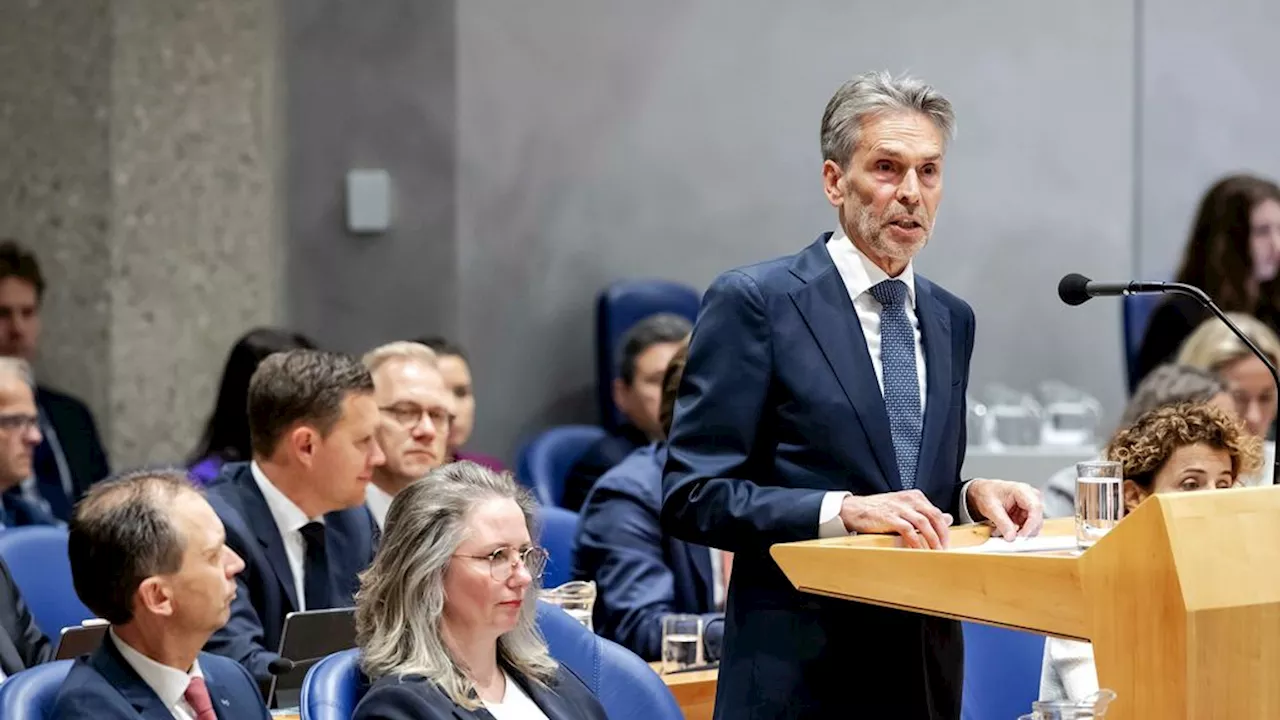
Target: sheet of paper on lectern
1040 543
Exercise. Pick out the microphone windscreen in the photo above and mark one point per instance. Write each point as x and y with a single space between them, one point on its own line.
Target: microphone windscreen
1073 289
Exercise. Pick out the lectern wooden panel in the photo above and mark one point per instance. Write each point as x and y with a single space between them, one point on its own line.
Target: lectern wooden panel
1181 600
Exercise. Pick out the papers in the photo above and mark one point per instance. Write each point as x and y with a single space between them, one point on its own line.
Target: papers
1040 543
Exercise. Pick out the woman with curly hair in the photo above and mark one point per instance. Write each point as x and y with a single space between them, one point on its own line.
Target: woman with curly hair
1175 448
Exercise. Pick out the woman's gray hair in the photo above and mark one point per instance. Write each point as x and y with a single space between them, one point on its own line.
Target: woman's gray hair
400 605
874 93
1169 385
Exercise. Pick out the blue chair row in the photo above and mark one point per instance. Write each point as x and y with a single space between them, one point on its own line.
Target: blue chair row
37 559
545 461
627 687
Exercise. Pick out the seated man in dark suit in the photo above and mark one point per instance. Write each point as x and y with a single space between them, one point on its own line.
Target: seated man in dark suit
643 574
70 457
22 645
149 556
296 513
19 436
644 353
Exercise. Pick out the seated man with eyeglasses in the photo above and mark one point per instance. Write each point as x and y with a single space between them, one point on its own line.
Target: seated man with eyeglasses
416 410
19 436
445 615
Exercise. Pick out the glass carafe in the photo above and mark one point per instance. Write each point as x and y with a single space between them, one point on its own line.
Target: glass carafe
576 598
1091 708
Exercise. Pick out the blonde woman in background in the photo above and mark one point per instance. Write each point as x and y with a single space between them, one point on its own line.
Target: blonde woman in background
1214 348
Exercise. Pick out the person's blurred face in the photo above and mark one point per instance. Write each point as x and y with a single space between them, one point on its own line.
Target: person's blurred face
888 193
1254 392
19 430
197 598
416 408
1264 239
641 400
476 605
19 318
1189 468
340 464
457 377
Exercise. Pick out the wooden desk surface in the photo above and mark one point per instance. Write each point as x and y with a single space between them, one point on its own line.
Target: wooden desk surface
695 691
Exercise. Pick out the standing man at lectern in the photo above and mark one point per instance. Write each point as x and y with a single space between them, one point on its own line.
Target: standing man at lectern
825 395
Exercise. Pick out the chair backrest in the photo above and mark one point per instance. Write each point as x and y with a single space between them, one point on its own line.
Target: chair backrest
1137 315
333 687
627 687
559 535
37 558
618 307
30 694
546 460
1001 672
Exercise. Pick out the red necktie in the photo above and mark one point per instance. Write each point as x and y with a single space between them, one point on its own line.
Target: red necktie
197 696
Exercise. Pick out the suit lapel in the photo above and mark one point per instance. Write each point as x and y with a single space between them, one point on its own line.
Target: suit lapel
218 694
828 312
255 511
935 331
554 706
111 665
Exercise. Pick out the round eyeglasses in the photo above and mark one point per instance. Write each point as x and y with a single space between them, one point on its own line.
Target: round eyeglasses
504 561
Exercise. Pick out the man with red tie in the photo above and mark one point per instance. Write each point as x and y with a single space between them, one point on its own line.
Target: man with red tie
149 555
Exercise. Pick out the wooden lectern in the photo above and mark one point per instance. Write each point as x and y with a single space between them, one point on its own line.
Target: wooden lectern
1181 600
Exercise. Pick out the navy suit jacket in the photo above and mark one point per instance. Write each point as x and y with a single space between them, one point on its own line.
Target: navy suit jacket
81 447
779 404
641 573
103 686
416 698
265 588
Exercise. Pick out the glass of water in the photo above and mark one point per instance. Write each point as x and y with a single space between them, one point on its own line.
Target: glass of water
681 642
1099 500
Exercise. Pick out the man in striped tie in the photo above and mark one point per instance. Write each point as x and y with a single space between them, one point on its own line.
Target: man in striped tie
149 556
825 395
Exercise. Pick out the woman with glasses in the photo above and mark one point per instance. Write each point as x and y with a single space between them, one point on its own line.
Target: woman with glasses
445 615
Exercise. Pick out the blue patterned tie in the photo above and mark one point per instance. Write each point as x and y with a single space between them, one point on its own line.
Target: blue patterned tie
901 384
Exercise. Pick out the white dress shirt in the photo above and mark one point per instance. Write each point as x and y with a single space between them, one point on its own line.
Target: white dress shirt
378 502
516 704
860 275
289 522
169 684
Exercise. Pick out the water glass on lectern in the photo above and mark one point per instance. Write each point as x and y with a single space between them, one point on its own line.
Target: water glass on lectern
681 642
1099 500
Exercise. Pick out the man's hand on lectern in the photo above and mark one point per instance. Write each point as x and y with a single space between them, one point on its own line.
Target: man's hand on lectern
908 513
1014 508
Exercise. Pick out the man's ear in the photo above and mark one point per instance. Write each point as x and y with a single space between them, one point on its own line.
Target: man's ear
621 395
155 596
304 442
831 185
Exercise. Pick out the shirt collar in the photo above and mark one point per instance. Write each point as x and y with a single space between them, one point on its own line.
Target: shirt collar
168 683
288 516
859 273
379 502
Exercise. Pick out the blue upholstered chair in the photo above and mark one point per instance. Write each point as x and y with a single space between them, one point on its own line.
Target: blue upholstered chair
546 460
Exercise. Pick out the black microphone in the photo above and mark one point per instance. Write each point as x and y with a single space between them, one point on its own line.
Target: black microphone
280 666
1075 289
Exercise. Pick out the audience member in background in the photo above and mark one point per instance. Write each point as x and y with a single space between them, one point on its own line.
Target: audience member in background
296 513
445 616
149 556
1215 348
19 437
453 365
644 353
641 573
1165 385
226 435
70 457
1233 255
416 409
1175 448
22 645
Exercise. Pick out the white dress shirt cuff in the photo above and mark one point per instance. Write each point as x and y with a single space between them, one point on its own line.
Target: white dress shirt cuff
829 523
965 516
